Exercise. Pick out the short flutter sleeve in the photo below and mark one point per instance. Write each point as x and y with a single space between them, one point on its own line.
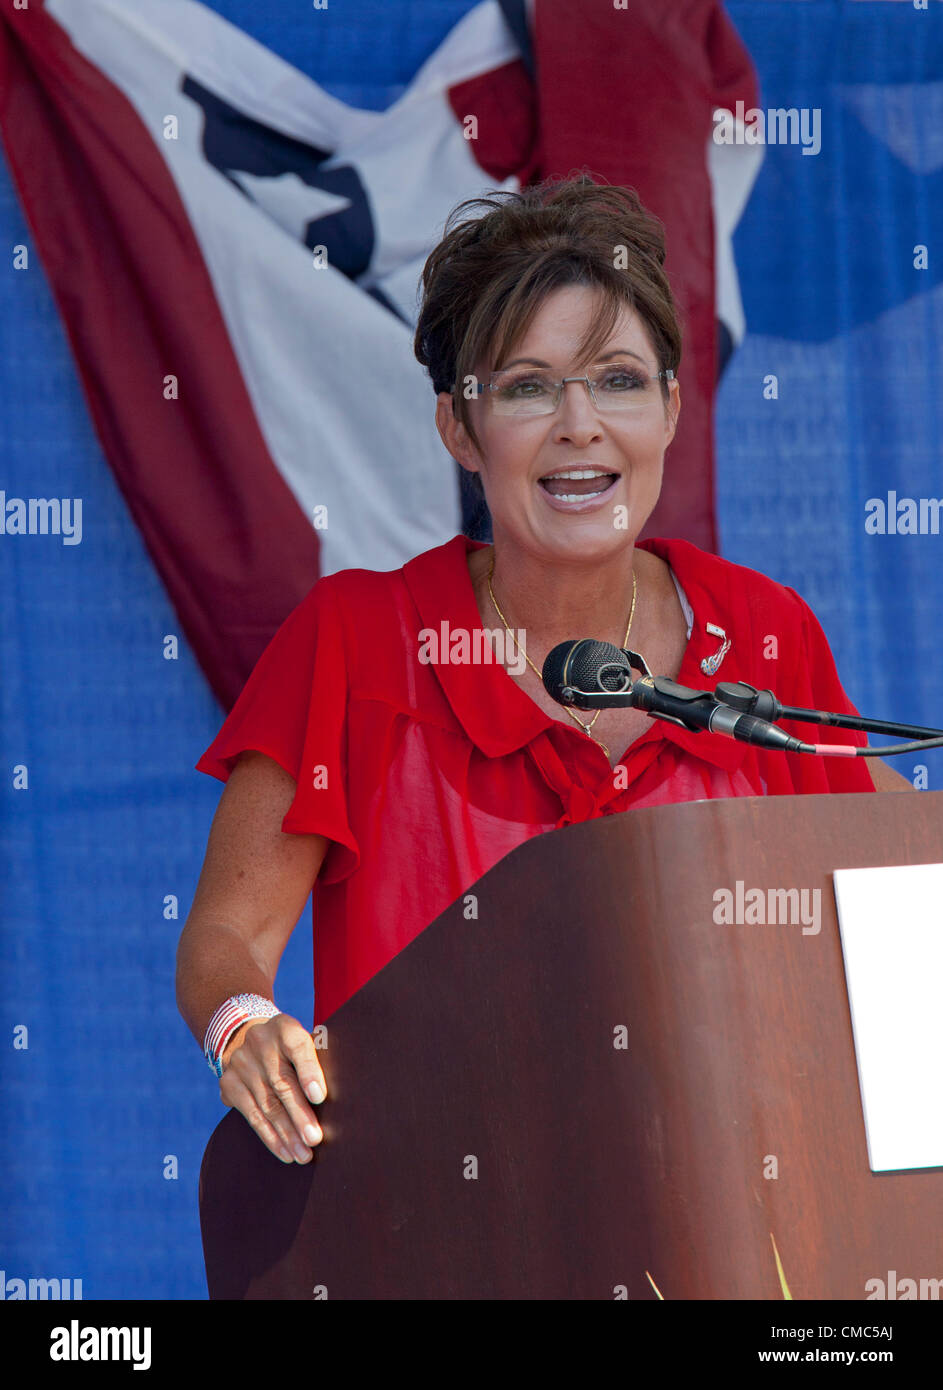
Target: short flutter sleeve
294 708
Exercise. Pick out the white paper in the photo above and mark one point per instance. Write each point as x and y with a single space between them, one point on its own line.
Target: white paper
891 922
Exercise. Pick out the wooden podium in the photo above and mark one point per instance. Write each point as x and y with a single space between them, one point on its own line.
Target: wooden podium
591 1078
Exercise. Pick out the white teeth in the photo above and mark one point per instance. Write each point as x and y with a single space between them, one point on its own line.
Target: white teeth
577 473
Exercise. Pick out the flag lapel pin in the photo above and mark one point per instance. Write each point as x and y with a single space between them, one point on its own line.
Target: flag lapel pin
711 664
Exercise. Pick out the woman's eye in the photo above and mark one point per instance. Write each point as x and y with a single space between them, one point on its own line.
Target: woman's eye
530 385
622 381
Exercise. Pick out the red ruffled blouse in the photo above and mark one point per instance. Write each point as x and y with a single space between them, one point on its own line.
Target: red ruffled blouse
422 775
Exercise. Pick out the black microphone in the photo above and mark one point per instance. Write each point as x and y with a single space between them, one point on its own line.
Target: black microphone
739 695
598 675
590 675
699 709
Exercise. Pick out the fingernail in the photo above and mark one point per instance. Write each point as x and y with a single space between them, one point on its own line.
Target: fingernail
311 1134
285 1156
315 1093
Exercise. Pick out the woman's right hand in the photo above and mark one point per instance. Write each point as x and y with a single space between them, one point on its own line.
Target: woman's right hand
270 1070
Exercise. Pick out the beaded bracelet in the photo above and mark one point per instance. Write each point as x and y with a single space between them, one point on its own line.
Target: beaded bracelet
230 1015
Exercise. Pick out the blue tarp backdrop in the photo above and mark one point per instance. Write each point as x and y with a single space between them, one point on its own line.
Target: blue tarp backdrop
109 1108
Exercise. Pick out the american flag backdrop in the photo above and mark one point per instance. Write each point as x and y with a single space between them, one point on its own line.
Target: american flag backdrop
212 223
236 253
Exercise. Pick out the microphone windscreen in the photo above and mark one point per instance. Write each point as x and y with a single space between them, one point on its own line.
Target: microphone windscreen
579 663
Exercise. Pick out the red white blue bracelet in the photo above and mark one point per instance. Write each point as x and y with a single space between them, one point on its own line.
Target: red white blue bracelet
230 1015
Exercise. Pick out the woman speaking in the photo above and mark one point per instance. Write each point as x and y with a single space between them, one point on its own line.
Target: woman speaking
381 751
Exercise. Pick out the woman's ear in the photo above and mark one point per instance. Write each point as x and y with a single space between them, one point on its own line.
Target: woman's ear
672 410
454 434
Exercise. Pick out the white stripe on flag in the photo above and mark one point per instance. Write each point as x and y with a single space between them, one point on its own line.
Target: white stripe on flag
346 411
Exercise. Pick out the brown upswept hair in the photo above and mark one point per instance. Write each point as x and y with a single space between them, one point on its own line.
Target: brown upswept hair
485 280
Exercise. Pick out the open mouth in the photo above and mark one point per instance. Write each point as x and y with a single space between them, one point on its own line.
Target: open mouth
579 484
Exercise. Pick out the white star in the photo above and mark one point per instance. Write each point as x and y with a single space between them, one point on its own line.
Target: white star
907 118
288 200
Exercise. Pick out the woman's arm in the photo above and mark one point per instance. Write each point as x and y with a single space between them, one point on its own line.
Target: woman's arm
253 886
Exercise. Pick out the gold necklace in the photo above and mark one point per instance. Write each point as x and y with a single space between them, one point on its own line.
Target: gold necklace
625 642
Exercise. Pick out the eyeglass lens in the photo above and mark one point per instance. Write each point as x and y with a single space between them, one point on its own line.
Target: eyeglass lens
528 391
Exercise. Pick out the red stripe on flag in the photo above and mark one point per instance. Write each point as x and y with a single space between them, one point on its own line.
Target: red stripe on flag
505 107
630 93
226 533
